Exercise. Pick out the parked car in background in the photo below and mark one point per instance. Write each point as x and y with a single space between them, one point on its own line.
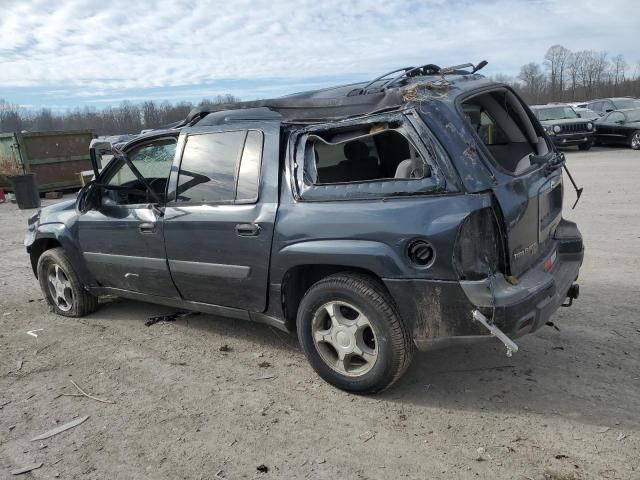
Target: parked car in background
620 127
605 105
371 218
585 113
564 126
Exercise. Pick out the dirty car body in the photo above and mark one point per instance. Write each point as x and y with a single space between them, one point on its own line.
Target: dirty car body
438 191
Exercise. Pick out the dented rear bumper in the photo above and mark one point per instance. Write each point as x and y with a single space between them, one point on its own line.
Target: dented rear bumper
442 311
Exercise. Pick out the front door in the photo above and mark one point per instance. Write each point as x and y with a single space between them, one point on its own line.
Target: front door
219 220
123 240
608 129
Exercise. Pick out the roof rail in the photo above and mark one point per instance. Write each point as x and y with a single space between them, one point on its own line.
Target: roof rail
423 70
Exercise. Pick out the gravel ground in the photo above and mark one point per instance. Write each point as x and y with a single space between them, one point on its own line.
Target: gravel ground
207 397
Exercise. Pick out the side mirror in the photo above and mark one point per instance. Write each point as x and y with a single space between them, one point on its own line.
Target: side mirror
88 198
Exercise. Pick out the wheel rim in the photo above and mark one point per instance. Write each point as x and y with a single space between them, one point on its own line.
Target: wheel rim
344 338
60 288
635 140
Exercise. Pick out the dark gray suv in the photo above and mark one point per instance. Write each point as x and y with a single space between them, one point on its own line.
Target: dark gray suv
419 208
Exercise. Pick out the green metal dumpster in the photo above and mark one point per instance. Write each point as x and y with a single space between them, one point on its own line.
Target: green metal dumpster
54 158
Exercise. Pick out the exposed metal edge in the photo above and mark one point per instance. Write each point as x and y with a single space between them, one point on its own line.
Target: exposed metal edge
510 344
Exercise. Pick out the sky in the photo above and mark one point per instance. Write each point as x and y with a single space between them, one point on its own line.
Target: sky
76 53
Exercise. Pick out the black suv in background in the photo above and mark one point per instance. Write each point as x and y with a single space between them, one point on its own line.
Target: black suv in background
372 218
564 126
605 105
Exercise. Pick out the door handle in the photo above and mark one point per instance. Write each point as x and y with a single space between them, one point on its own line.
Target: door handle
248 229
147 227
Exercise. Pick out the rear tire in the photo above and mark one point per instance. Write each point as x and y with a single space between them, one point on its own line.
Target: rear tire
61 286
352 333
635 140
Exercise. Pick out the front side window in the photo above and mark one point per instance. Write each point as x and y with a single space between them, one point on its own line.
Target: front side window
615 117
220 167
153 160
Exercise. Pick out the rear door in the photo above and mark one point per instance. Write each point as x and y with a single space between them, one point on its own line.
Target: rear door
218 224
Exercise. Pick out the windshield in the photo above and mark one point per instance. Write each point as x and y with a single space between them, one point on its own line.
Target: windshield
633 115
555 113
626 103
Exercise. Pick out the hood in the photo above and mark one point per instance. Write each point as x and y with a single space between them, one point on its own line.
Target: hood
565 121
58 212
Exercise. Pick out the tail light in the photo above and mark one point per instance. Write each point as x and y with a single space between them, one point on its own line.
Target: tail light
478 250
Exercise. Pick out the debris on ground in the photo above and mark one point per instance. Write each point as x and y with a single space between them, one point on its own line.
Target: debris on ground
85 394
26 469
171 317
264 364
262 468
604 429
225 348
266 377
621 437
480 457
61 428
34 333
19 364
366 436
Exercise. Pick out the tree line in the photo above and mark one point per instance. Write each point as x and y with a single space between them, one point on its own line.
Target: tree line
563 76
567 76
126 118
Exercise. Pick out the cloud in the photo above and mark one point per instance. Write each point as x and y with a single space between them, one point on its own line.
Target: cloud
91 49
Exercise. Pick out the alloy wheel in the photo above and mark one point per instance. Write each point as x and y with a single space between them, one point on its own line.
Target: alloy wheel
60 288
344 338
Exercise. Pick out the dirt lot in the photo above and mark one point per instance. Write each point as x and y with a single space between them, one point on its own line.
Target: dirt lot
566 406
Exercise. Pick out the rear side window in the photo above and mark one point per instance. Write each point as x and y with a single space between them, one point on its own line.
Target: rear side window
221 167
363 155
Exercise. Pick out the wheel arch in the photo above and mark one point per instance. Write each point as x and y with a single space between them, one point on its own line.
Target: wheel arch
57 235
38 247
298 279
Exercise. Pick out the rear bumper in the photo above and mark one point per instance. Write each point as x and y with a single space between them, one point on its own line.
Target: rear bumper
572 139
439 312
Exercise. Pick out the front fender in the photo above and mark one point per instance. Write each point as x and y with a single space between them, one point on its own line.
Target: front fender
51 235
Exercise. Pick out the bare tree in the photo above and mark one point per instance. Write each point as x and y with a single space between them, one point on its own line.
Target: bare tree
10 117
618 66
533 81
555 60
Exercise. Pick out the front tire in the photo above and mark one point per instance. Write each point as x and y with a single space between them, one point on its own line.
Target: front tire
61 286
635 140
352 334
585 146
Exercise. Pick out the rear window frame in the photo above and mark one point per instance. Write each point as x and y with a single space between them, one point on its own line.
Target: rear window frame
486 153
428 148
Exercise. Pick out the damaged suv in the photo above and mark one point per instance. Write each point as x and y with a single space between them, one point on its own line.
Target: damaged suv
422 207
